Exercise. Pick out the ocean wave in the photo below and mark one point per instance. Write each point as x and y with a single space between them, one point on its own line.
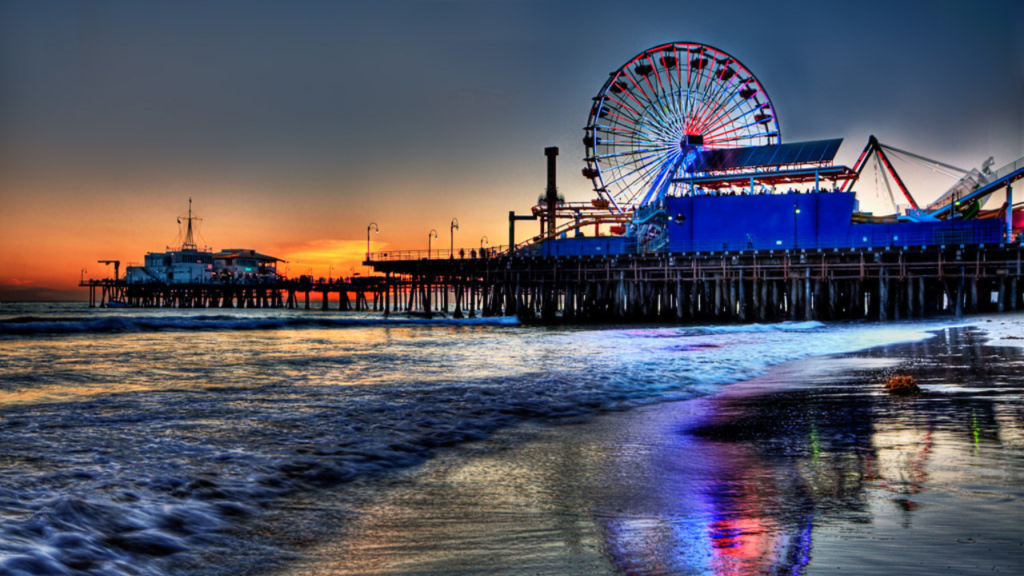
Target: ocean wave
130 483
31 325
780 327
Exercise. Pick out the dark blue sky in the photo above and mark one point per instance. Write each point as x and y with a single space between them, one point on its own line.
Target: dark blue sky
306 82
327 112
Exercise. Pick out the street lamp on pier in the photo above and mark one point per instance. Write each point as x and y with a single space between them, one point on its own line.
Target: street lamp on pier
484 241
451 247
84 272
432 235
796 210
376 230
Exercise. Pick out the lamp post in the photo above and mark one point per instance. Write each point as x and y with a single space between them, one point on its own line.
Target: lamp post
483 241
796 210
84 271
453 228
376 230
330 273
432 235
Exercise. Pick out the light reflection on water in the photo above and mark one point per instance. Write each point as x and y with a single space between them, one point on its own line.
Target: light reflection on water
830 475
150 440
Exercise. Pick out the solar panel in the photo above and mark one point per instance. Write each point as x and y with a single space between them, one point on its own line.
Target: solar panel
813 152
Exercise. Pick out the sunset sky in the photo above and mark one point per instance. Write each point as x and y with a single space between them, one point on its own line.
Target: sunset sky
292 125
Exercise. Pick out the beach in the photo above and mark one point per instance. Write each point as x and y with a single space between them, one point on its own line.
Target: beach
288 443
810 469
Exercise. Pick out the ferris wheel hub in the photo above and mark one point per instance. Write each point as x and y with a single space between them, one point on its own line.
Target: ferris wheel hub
692 140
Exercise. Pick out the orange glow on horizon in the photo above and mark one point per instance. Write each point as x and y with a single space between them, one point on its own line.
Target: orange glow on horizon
317 257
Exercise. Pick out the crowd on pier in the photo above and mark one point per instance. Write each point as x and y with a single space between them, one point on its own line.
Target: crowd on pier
762 191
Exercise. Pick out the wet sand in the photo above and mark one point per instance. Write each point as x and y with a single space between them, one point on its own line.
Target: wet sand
810 469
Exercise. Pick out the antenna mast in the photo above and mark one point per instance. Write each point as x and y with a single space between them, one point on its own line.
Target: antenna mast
189 243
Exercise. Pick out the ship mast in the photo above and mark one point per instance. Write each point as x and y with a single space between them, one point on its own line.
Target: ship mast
189 243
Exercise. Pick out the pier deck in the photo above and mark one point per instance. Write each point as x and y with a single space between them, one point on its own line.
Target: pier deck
696 287
738 286
354 294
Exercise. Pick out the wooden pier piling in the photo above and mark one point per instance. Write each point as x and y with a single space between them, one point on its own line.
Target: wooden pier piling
745 286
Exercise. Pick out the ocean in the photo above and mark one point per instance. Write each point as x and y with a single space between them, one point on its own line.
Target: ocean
164 441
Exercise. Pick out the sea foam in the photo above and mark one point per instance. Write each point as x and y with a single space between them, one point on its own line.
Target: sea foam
128 482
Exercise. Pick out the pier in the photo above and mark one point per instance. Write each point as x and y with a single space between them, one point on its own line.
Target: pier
359 294
695 287
710 287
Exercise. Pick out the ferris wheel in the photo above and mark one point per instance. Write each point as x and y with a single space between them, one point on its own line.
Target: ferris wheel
658 112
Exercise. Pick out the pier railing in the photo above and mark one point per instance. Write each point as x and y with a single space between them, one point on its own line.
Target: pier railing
988 235
949 237
461 253
952 236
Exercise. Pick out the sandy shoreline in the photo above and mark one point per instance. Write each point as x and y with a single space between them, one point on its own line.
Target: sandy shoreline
809 469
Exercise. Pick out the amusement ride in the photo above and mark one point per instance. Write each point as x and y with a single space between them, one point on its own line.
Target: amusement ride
688 119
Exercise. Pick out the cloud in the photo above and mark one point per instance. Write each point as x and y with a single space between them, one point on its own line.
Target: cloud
18 282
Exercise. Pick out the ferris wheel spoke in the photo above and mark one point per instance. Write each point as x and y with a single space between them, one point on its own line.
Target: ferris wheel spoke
642 183
716 86
698 112
679 69
707 78
660 180
630 153
703 88
668 97
656 105
712 104
629 92
652 105
650 98
672 104
633 162
629 143
692 84
634 132
650 132
637 184
623 105
686 108
722 116
657 112
734 120
654 91
738 128
647 161
659 133
719 103
726 116
623 119
657 74
656 126
676 101
727 142
608 128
